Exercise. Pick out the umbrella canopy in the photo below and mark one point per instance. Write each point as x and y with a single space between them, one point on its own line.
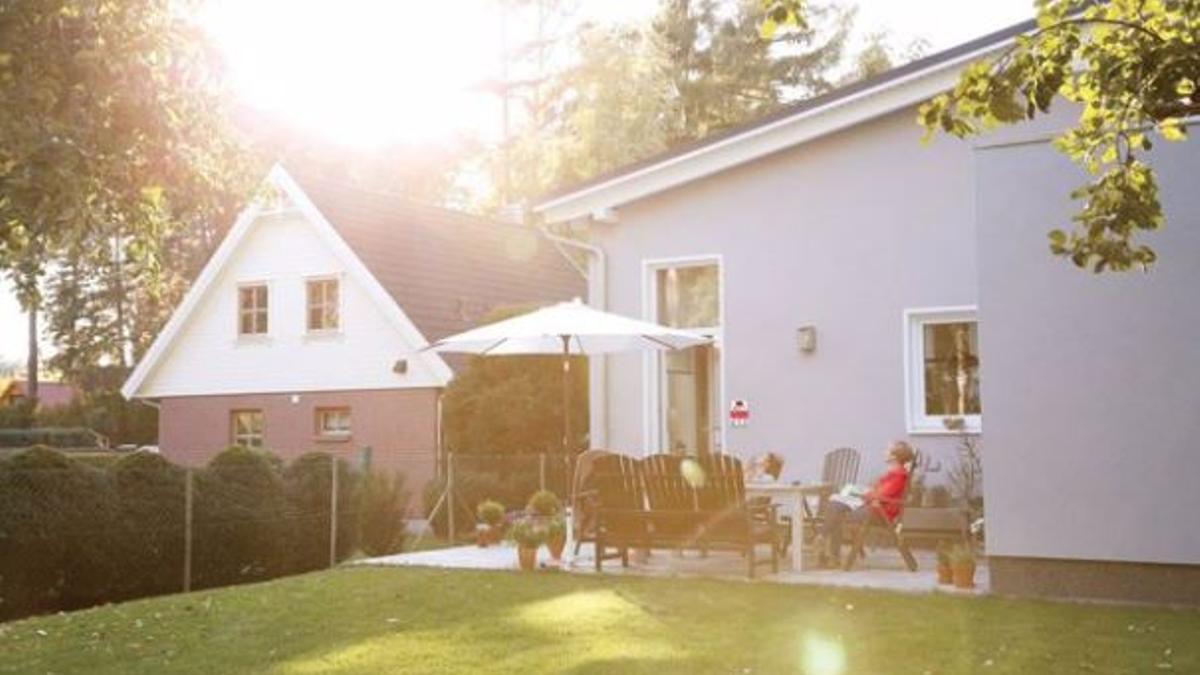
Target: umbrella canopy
570 328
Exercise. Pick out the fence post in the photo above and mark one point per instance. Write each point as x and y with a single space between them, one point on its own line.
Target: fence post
187 530
333 509
450 495
542 471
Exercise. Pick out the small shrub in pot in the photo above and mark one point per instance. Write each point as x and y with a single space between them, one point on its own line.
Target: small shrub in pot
490 514
962 563
544 503
529 535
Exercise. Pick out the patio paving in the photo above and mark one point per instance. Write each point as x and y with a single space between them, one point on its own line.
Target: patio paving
882 570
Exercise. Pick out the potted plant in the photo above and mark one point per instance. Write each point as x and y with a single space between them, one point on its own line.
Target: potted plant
962 563
529 535
544 503
491 522
556 537
945 573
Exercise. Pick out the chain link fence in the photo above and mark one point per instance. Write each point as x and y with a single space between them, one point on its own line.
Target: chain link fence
466 479
73 535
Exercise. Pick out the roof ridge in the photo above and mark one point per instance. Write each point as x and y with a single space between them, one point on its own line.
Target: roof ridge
303 176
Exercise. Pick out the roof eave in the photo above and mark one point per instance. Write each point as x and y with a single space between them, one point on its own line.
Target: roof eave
760 140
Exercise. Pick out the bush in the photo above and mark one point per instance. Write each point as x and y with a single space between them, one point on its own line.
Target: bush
150 499
382 506
240 519
56 533
308 485
544 503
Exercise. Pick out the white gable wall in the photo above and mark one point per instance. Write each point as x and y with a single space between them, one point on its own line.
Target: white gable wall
208 357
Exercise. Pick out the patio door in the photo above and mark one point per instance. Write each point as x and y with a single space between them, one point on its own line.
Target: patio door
684 386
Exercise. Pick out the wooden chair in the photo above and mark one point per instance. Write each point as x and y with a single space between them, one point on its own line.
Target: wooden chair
583 497
840 468
727 520
894 529
620 495
674 515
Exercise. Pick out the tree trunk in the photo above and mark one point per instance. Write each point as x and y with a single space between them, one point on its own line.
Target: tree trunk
32 364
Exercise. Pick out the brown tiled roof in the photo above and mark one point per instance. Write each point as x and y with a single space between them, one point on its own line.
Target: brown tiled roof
446 269
50 394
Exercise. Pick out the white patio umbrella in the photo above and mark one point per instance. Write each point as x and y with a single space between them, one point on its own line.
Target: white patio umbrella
567 328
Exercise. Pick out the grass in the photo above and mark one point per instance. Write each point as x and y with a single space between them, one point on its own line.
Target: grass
369 620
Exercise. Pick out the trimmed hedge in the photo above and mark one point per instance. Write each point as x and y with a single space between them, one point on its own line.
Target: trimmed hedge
73 536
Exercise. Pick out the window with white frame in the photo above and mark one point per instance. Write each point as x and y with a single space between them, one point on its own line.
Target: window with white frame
942 370
252 309
322 305
246 428
333 422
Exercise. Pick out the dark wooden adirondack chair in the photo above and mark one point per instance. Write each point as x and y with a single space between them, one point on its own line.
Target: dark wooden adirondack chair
895 529
620 508
583 497
727 520
673 515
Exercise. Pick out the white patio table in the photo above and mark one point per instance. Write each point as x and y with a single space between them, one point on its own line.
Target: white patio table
792 497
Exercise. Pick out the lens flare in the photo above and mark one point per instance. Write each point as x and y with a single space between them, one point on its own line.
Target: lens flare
692 472
822 656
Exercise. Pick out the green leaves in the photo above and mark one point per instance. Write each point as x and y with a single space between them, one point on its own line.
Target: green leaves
785 14
1130 65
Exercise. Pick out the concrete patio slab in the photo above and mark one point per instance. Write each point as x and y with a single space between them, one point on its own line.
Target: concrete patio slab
882 570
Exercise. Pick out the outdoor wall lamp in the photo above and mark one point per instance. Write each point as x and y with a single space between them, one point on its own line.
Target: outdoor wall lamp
806 338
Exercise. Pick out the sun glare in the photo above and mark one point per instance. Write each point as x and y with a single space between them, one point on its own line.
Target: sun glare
363 72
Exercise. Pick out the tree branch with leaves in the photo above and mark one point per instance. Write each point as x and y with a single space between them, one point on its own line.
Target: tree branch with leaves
1132 67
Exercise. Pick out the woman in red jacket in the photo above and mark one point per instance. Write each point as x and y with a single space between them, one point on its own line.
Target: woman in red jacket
881 504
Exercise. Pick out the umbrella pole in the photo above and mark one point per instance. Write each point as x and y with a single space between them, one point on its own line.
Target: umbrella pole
566 394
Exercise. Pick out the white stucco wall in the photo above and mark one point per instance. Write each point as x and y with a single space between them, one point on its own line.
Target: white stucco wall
208 357
845 233
1092 386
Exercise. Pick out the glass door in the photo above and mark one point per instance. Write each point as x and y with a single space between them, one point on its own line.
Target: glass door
688 401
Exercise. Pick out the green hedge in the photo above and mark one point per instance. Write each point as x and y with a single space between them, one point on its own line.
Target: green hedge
73 535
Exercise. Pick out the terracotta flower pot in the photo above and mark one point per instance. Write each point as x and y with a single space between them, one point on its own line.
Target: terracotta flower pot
556 545
964 576
527 557
945 574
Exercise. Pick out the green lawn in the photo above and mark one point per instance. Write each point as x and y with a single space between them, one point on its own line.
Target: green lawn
430 621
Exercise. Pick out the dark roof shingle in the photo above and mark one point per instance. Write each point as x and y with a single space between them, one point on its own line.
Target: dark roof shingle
446 269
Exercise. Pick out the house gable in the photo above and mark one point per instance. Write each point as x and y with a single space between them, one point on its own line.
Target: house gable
199 351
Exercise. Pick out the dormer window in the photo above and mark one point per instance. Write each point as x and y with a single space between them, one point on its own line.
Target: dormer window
322 305
252 309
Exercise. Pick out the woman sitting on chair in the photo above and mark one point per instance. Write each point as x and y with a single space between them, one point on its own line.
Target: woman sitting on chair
881 504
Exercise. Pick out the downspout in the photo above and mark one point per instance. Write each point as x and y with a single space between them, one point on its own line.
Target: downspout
597 285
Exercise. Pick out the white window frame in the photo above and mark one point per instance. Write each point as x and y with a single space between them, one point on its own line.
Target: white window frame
340 306
914 370
250 337
654 431
233 435
338 434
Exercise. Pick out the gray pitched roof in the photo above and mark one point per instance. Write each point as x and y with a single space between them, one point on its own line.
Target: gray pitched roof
892 75
446 269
